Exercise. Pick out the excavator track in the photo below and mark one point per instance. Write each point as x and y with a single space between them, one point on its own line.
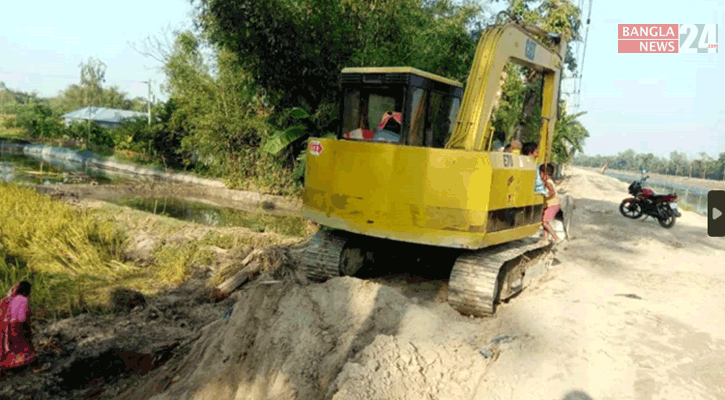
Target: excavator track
321 260
479 279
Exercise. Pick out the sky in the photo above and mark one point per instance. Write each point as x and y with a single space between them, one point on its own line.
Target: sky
43 44
654 103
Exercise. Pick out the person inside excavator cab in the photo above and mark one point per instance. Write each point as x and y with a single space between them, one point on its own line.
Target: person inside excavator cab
361 133
390 127
514 147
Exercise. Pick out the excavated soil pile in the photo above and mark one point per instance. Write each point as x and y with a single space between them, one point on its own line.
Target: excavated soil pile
97 356
344 339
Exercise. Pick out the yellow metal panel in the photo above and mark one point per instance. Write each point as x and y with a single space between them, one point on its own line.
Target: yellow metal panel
401 70
549 111
433 196
414 234
377 186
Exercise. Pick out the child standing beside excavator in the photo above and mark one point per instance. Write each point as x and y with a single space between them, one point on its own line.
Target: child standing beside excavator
545 186
552 205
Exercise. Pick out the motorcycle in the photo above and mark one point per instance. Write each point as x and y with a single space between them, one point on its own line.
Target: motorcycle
645 202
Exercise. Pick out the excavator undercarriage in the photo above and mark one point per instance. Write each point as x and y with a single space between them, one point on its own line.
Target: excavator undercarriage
479 279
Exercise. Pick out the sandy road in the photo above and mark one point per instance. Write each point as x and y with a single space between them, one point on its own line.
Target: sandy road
630 311
634 311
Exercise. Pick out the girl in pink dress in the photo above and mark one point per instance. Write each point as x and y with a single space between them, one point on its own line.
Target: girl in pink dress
16 335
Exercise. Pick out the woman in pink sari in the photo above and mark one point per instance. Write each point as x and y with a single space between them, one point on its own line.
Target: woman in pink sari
16 347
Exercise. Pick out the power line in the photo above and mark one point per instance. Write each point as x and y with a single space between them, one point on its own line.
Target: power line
578 52
584 53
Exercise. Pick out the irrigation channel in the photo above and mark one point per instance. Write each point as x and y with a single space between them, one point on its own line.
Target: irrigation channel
53 168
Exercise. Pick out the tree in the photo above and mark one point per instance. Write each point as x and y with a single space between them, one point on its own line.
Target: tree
37 119
297 48
558 16
221 121
720 165
705 163
8 95
627 159
89 92
93 75
679 162
644 161
569 136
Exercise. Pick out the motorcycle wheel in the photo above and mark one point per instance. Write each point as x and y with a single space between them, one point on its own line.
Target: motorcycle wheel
630 209
668 221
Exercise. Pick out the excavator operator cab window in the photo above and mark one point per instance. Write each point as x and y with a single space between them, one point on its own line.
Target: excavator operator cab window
442 118
364 111
408 107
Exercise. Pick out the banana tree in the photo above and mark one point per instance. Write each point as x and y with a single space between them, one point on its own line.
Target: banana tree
282 139
569 136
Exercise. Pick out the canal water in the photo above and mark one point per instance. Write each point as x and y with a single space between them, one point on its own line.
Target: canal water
686 195
27 169
290 225
38 171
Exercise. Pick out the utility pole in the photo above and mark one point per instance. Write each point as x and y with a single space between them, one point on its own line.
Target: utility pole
88 119
148 99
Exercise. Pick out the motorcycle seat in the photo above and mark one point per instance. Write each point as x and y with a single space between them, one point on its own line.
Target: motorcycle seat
658 197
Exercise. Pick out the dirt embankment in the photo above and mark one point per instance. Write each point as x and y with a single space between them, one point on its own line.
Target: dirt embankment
629 311
345 339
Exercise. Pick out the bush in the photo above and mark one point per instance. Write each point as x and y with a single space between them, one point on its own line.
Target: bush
133 134
36 119
80 130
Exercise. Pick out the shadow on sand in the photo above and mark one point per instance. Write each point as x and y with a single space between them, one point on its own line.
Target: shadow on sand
577 395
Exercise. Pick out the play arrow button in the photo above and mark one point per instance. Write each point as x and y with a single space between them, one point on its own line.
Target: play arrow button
715 220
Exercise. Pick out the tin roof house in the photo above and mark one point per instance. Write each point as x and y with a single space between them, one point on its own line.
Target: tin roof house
108 118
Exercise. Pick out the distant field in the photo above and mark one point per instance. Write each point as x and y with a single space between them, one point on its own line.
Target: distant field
707 184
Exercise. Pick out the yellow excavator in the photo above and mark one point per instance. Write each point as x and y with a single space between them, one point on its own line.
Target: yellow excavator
413 170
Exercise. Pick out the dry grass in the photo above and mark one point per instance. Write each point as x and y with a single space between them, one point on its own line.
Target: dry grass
75 256
67 254
53 237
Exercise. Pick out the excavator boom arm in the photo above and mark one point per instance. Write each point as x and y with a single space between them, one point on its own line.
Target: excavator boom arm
497 46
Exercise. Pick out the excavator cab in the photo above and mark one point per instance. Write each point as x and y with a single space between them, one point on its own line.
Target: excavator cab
412 165
404 106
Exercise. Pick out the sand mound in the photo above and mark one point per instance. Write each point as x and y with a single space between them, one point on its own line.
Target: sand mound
344 339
